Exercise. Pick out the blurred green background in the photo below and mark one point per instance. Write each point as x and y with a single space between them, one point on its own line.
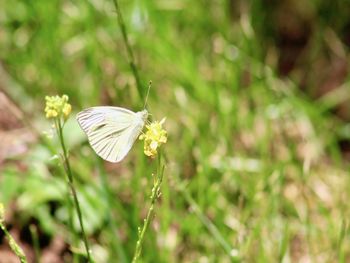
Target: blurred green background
256 95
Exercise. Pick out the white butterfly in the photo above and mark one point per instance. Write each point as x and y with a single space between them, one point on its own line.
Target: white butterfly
111 131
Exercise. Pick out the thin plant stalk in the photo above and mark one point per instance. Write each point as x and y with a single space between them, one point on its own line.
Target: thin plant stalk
13 244
72 188
154 196
35 240
131 58
160 168
70 217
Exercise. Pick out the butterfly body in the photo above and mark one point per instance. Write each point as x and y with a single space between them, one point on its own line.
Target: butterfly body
111 131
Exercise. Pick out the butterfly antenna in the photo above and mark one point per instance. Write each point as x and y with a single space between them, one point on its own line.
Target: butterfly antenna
149 87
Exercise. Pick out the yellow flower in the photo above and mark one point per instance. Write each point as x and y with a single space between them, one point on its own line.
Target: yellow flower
2 212
154 137
57 107
67 108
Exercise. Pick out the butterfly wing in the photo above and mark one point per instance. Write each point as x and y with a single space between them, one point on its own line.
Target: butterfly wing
111 131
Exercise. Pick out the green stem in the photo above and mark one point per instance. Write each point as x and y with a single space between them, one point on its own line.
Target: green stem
72 188
155 194
131 58
35 240
14 246
69 201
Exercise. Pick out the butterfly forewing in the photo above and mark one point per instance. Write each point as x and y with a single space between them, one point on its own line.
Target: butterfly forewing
91 117
111 131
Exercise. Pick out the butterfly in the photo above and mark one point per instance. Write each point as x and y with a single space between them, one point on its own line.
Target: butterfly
112 131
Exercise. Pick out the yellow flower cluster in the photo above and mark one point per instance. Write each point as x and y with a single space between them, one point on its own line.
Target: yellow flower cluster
2 213
57 106
154 137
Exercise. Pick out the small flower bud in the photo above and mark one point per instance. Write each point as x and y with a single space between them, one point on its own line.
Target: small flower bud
57 107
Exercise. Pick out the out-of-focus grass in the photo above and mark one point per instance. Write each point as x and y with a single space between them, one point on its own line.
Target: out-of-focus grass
259 158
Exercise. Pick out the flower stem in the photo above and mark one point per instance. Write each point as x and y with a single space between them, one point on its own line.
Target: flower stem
72 188
154 196
128 49
14 246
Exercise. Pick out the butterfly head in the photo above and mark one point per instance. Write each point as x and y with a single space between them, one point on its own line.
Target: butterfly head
143 115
